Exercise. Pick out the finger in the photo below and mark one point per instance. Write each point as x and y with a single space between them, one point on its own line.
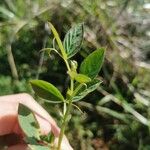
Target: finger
8 116
65 143
45 126
19 147
9 111
46 122
10 139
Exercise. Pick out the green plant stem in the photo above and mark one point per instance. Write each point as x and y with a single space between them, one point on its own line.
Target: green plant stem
65 120
72 86
64 56
67 64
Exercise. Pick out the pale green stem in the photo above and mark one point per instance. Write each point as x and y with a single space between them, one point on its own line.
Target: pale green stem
65 117
65 120
64 56
67 64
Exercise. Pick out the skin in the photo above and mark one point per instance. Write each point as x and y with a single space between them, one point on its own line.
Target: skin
10 132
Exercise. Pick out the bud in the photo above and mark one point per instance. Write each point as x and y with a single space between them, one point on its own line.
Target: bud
74 65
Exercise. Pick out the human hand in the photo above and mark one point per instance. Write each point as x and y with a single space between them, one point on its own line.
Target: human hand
10 132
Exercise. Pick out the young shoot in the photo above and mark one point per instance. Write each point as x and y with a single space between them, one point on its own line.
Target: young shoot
82 82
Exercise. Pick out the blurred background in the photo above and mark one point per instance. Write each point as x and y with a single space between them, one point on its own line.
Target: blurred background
117 115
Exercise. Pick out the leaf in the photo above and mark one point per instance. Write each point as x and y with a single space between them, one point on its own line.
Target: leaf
56 35
81 78
93 63
27 122
85 90
46 91
73 40
38 147
47 138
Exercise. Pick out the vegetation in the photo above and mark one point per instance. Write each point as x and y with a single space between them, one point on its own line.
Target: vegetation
116 115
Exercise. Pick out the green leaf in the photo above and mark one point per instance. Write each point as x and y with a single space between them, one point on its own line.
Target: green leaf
27 122
93 63
48 138
38 147
81 78
47 91
73 40
56 35
85 90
